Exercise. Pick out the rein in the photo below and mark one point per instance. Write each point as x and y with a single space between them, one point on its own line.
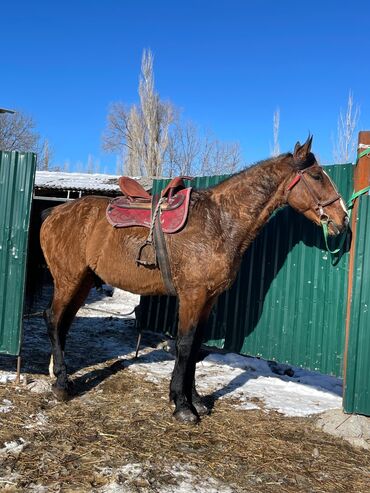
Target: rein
349 207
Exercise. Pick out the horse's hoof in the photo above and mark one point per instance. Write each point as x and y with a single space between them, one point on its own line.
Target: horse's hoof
60 393
201 408
186 416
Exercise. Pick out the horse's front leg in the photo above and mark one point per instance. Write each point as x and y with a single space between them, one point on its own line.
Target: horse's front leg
196 399
193 313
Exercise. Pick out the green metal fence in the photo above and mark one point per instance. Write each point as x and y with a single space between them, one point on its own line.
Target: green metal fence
288 302
17 171
357 388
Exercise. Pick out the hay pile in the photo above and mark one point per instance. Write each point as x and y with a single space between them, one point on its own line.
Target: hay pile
120 432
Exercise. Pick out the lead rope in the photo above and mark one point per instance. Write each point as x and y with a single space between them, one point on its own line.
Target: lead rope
349 206
154 218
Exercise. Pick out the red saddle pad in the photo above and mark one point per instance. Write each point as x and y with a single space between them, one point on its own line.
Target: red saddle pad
123 212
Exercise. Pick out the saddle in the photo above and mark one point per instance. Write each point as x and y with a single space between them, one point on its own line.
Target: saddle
136 205
164 213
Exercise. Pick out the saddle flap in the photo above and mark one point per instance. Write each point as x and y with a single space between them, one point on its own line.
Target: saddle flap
174 216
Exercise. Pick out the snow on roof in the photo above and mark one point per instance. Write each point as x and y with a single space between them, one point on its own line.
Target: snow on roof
82 181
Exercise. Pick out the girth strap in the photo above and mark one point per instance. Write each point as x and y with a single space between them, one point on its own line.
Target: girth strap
161 251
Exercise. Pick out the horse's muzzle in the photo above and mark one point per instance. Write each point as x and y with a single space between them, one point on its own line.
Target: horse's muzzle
335 229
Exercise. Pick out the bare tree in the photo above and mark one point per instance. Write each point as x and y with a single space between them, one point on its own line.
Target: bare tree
191 152
120 164
90 164
157 117
116 135
18 133
183 150
276 127
345 145
150 138
44 156
142 129
219 157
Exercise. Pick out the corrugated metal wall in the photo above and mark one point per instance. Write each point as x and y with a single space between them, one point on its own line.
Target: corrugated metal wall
17 171
288 302
357 390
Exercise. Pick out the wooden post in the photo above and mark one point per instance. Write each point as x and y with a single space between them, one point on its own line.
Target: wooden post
17 380
360 181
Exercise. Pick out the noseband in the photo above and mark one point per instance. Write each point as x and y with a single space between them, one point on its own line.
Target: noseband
319 205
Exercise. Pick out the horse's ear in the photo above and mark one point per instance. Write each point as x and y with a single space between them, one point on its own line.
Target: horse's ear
308 143
302 151
296 147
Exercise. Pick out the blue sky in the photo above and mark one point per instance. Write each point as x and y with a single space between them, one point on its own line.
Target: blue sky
227 64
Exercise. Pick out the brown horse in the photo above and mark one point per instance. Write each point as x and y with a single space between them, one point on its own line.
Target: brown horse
79 244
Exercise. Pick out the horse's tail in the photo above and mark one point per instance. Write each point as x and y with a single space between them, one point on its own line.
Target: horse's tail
46 213
37 271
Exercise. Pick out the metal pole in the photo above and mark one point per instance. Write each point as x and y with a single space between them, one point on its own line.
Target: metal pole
138 344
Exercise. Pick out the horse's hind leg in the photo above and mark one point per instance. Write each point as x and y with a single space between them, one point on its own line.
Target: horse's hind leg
66 302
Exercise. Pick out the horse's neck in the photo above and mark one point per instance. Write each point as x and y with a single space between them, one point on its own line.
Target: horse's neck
247 200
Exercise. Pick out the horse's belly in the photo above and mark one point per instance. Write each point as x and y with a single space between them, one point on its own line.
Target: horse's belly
114 260
138 280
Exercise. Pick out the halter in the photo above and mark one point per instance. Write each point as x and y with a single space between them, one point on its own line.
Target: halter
319 207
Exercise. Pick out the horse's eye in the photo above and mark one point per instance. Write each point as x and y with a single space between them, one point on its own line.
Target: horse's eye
316 176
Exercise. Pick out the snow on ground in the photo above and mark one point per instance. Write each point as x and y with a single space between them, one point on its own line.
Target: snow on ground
7 377
181 479
37 421
14 448
233 376
247 379
5 406
251 383
120 303
243 378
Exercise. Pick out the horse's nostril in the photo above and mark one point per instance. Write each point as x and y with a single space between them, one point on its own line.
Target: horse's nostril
334 228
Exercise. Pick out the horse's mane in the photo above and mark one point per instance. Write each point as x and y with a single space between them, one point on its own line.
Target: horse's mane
203 193
288 156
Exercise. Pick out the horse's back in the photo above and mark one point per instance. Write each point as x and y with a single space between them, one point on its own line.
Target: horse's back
72 217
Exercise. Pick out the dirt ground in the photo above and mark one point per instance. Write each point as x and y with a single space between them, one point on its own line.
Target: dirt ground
117 434
81 445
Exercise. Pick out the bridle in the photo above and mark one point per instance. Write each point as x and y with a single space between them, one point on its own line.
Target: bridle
319 204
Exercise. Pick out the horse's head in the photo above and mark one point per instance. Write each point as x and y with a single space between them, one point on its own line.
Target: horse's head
312 193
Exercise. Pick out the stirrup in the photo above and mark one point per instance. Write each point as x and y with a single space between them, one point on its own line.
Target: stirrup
146 263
